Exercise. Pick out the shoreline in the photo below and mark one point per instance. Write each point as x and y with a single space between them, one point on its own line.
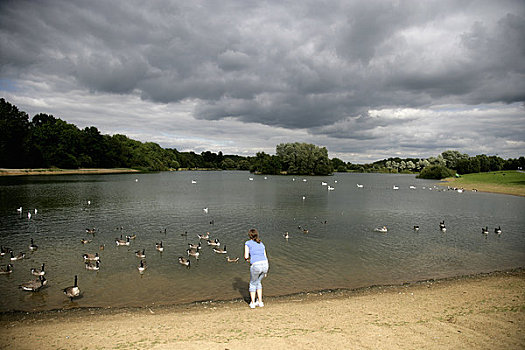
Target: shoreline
484 310
46 171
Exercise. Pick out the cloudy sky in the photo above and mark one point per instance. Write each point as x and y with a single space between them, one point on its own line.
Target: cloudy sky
366 79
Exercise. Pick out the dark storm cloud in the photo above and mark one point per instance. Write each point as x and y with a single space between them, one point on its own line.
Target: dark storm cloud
318 66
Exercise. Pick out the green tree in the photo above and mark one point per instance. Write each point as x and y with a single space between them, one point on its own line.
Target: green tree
436 172
304 159
14 136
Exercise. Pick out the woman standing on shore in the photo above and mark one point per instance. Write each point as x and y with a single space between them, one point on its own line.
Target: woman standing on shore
255 252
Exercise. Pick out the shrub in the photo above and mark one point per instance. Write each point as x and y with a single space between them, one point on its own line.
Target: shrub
436 172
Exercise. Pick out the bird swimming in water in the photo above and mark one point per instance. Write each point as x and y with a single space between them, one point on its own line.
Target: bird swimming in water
73 291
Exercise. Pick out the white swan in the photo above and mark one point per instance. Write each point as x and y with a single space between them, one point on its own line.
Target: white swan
205 210
324 183
395 187
359 186
330 188
193 181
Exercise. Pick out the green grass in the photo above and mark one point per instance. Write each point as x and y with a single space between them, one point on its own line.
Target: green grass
508 182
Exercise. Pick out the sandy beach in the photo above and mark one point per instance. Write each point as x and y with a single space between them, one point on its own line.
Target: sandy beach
472 312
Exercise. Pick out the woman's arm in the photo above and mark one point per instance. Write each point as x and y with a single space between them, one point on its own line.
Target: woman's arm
246 252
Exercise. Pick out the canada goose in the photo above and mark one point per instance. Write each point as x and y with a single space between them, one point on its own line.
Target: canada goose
20 256
184 261
91 257
141 254
305 231
34 285
497 230
416 228
6 270
36 272
205 236
194 253
232 260
93 266
286 235
442 226
73 291
85 241
131 236
485 230
91 230
382 229
214 243
220 250
195 246
5 250
33 246
159 247
122 242
142 267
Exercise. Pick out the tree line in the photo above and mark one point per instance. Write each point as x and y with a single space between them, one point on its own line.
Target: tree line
46 141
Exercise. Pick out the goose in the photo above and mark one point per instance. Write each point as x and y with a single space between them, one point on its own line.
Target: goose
85 241
497 230
416 228
193 253
286 235
5 250
205 236
485 230
33 246
93 266
305 231
20 256
73 291
159 247
195 246
131 236
214 243
235 260
220 250
359 186
35 272
122 242
382 229
140 254
442 226
91 257
142 267
6 270
34 285
91 230
184 261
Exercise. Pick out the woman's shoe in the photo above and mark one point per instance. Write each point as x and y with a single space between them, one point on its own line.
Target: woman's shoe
252 305
259 303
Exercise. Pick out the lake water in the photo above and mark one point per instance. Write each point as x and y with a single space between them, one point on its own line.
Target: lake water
340 250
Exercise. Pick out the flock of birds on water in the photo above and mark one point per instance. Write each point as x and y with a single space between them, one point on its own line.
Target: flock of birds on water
92 261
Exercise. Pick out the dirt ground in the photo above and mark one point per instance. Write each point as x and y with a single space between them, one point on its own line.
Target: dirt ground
476 312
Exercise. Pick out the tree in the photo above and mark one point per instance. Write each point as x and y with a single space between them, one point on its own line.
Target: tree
436 172
304 159
14 136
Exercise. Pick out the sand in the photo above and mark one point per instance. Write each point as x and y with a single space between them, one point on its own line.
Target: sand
474 312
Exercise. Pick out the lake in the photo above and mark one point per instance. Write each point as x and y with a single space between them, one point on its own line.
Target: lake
340 250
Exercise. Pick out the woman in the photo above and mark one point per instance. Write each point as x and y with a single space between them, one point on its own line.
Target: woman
255 251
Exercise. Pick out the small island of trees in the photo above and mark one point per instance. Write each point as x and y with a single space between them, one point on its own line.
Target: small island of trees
47 142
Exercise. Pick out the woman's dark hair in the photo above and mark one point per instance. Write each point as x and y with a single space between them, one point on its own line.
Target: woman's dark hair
254 235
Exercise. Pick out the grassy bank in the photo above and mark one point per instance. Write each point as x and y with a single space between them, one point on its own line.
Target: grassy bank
506 182
56 171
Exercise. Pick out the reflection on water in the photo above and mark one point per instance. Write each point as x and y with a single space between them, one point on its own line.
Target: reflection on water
340 250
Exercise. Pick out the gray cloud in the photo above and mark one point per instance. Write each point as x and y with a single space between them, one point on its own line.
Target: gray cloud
318 70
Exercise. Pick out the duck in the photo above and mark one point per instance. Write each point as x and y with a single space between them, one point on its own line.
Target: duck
20 256
195 246
159 247
33 246
93 266
184 261
204 236
34 285
497 230
214 243
220 250
382 229
305 231
36 272
194 253
73 291
286 235
141 254
485 230
101 247
142 267
122 242
85 241
234 260
416 227
6 270
91 257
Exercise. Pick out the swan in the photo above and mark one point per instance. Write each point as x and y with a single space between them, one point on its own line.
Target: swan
19 210
382 229
330 188
205 210
324 183
73 291
412 187
395 187
359 186
193 181
29 215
